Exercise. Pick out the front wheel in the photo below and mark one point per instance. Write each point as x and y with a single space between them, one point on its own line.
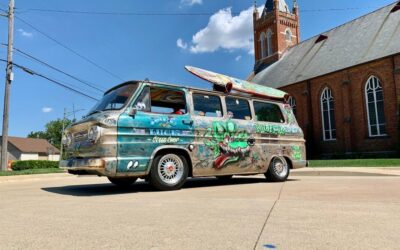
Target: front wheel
169 172
123 181
278 170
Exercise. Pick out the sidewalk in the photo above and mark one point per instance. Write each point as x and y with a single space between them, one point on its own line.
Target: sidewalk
347 171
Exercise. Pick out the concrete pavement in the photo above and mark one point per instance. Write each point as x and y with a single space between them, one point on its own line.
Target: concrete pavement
307 212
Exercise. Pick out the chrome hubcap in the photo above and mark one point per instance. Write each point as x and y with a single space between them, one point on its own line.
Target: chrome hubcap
280 166
170 169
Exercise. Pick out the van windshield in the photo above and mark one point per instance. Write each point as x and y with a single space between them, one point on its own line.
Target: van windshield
115 99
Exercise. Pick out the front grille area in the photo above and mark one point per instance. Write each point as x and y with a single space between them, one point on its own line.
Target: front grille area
80 136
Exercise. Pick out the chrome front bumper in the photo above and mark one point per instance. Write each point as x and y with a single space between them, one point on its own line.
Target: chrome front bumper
90 165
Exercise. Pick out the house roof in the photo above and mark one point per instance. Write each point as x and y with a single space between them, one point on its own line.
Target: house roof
32 145
370 37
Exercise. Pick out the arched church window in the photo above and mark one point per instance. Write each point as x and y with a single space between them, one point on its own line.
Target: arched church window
269 42
262 46
375 107
292 103
328 115
288 35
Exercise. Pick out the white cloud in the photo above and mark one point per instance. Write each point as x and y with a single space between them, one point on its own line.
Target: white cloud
47 109
25 33
238 58
191 2
225 31
181 44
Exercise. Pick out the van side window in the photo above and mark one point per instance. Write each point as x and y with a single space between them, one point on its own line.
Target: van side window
162 101
268 112
238 108
142 103
207 105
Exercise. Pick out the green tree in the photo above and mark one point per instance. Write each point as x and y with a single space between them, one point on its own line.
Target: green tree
52 132
38 135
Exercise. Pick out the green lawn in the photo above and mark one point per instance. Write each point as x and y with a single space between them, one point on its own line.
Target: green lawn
32 171
355 163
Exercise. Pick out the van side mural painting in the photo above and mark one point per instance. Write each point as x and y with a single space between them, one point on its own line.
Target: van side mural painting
228 144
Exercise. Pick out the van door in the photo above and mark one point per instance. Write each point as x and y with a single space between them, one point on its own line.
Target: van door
274 134
161 119
224 140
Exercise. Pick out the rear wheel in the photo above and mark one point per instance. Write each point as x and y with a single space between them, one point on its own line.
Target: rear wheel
122 182
278 170
169 172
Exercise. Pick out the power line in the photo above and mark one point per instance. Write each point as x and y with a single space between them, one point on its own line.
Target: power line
70 49
120 13
173 13
92 85
339 9
32 72
78 87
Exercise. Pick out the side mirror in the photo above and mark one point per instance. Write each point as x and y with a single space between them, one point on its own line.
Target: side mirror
132 111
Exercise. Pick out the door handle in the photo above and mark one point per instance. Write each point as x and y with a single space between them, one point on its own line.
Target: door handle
187 122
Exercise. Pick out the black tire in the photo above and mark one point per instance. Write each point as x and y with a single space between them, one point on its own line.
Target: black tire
160 172
224 177
122 181
278 170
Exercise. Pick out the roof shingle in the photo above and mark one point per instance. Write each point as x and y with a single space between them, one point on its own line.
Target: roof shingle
32 145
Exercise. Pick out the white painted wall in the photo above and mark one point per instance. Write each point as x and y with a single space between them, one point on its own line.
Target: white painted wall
54 158
26 157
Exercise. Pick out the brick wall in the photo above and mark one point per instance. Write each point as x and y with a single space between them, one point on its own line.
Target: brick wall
350 109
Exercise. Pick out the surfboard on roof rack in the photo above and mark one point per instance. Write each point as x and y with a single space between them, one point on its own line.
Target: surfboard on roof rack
231 83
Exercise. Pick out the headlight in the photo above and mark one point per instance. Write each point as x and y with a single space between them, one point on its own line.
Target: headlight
94 134
66 139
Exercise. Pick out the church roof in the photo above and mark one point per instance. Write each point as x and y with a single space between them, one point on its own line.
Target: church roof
269 6
370 37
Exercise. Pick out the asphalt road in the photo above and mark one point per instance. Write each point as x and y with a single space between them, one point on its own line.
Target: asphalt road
307 212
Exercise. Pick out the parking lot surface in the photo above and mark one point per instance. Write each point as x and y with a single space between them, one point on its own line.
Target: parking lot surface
307 212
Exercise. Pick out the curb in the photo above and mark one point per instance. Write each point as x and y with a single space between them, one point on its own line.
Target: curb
16 178
351 171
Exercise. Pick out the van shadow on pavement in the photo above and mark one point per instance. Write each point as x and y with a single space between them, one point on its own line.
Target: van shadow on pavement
110 189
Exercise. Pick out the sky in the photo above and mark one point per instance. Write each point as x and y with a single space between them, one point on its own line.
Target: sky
135 47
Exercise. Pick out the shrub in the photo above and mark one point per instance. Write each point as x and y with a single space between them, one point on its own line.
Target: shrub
23 165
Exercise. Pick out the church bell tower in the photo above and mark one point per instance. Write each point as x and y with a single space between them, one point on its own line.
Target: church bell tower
275 30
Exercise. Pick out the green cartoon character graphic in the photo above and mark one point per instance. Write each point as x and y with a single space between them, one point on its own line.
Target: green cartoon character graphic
296 153
228 144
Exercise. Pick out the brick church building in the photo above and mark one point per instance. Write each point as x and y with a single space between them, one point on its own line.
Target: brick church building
344 83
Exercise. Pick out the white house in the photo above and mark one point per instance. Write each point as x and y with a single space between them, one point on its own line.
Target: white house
31 149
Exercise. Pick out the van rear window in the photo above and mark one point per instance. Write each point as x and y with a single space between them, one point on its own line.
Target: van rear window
268 112
207 105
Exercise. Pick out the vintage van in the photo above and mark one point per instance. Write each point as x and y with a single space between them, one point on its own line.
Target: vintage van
166 133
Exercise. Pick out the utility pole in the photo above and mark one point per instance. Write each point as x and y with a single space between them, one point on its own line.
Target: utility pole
62 133
9 79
